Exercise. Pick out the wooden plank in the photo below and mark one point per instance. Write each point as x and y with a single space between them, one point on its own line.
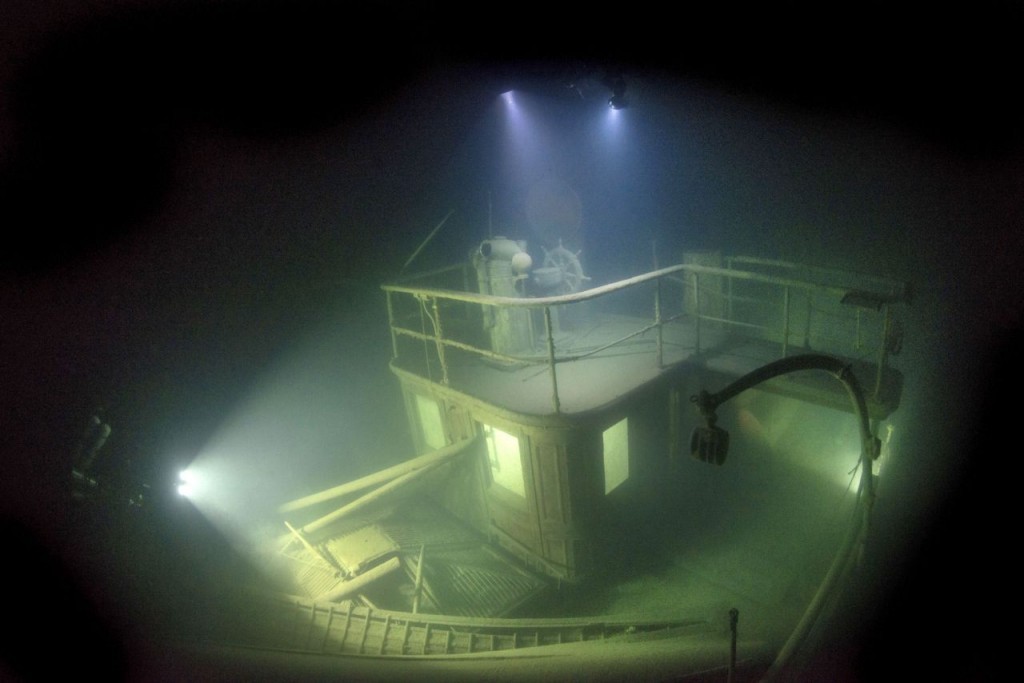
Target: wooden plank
366 631
373 496
613 621
384 637
418 587
348 624
356 584
316 551
434 457
472 635
327 628
405 638
312 623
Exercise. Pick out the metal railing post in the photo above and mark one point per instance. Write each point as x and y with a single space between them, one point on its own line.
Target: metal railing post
391 327
728 301
883 351
734 617
657 321
785 322
551 359
423 330
807 322
696 310
438 337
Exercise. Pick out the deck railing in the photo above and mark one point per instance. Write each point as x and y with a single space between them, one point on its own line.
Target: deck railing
794 306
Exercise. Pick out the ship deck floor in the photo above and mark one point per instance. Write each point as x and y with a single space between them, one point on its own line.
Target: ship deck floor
461 575
757 539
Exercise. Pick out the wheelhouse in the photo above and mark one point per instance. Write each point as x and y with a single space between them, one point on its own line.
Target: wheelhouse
573 399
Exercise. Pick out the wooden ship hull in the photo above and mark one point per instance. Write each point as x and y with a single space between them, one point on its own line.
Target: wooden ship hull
553 428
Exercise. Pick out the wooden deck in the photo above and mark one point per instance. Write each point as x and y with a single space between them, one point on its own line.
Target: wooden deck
461 574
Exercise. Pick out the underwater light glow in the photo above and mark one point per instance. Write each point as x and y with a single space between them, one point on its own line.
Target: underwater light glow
188 482
611 128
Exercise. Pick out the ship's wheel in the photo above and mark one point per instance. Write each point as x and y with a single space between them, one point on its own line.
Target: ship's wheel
568 264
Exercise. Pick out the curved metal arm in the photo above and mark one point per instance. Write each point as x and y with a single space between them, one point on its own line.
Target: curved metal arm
708 403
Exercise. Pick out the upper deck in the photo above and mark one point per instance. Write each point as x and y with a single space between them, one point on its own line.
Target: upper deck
579 352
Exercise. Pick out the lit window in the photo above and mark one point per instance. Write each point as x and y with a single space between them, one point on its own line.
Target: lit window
616 455
505 460
430 422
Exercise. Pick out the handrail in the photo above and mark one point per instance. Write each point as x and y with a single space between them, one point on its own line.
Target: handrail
897 286
686 275
533 302
595 292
